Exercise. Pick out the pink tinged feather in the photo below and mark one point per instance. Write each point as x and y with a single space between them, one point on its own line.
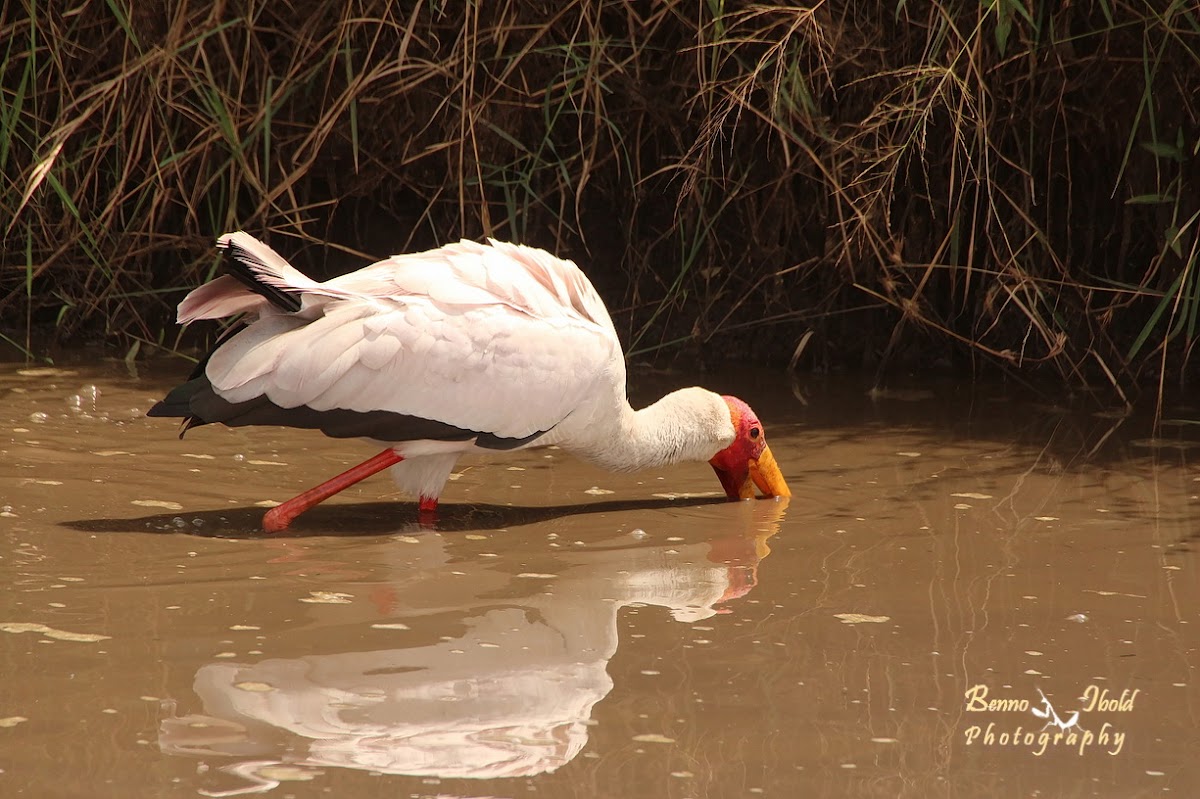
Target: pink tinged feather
236 370
451 292
319 353
420 345
218 299
526 280
380 346
546 271
563 280
400 276
357 389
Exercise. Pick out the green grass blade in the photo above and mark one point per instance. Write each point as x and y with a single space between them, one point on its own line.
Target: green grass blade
1167 300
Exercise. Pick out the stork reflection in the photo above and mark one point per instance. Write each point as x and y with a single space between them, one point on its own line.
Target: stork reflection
502 673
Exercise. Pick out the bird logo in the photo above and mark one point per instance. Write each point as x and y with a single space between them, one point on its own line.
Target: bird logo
1052 718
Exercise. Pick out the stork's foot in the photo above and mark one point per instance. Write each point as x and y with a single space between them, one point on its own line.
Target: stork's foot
277 519
427 511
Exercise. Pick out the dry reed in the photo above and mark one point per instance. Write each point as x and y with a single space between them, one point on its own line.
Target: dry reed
1000 181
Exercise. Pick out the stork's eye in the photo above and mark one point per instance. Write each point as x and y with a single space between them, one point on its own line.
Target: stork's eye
755 432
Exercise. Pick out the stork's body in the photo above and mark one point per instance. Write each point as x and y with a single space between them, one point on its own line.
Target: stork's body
466 348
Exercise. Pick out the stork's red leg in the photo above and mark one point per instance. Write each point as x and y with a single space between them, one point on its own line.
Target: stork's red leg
279 517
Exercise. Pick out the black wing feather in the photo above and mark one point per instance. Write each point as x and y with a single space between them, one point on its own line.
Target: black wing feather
236 264
198 404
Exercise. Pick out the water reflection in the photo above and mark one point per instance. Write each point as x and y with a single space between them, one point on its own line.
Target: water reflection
502 677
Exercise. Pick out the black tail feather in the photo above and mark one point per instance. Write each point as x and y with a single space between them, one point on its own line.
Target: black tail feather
236 264
178 402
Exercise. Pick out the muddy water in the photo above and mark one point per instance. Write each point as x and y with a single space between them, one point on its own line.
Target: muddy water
948 560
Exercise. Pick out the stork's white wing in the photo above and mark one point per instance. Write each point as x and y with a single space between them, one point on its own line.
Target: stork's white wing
490 344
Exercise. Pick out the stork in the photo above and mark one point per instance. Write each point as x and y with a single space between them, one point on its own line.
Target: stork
467 348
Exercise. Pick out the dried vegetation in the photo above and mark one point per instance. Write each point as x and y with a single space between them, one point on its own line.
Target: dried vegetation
1004 181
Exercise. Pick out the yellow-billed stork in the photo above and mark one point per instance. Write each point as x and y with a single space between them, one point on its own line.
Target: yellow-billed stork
466 348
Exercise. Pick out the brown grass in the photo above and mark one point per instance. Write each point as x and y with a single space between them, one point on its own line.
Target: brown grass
915 183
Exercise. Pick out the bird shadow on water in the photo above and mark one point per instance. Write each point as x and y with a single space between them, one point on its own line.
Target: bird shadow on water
370 518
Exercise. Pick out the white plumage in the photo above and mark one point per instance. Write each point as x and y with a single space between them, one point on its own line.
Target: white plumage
501 321
503 345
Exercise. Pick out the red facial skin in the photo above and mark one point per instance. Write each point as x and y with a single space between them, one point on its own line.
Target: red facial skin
732 464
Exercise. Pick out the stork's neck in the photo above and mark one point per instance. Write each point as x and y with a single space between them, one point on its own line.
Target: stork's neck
691 424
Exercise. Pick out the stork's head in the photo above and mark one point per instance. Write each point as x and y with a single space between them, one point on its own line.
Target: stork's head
748 461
